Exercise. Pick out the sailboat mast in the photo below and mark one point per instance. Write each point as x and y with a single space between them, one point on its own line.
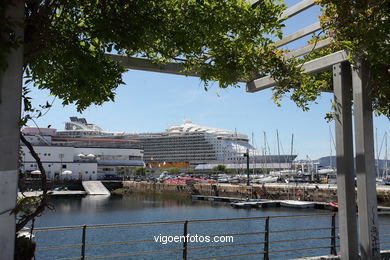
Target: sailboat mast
385 154
253 155
330 148
277 137
292 149
265 150
377 152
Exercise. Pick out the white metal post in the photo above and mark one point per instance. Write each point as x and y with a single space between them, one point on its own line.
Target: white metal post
344 159
365 164
10 105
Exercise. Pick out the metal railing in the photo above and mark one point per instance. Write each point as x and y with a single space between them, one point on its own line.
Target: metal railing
267 246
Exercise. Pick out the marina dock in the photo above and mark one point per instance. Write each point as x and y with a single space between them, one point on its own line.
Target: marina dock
264 203
52 193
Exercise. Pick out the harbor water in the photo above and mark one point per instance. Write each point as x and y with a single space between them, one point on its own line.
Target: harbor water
142 208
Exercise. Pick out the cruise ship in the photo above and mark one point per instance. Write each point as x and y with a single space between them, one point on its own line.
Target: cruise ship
187 145
83 151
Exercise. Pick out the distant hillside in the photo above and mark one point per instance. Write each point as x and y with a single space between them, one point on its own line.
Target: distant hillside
329 161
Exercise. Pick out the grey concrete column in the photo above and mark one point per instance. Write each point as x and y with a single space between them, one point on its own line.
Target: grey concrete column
10 105
342 81
365 163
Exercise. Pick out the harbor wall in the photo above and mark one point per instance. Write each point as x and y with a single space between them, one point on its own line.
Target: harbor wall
276 191
70 184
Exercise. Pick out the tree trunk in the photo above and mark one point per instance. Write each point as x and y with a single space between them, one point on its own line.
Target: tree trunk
10 105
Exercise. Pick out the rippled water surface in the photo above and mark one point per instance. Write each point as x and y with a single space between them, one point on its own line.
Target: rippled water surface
138 208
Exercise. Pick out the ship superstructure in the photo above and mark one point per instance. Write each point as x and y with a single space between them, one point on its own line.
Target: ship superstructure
194 145
185 145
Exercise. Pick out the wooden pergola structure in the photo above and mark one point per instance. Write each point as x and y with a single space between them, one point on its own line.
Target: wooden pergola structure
349 84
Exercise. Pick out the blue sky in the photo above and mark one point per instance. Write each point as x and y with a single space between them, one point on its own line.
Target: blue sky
150 102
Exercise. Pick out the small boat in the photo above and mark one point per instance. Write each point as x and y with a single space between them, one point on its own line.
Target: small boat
269 179
297 204
244 204
386 181
334 205
379 181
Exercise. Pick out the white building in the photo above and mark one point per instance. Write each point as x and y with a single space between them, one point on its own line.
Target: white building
76 159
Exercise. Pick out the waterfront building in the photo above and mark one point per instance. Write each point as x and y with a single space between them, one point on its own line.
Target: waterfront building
79 158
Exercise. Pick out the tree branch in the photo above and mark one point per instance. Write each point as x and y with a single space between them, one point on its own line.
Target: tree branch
43 198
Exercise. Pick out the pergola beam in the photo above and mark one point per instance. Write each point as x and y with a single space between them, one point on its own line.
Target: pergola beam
308 48
293 10
314 66
148 65
298 34
297 8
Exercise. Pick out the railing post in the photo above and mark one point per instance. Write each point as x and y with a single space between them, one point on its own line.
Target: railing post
266 239
333 250
83 242
185 240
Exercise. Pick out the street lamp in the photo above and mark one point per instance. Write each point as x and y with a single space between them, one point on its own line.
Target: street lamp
247 166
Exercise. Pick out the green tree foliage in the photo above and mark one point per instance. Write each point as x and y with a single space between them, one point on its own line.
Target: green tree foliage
219 169
363 29
225 41
173 171
66 41
138 171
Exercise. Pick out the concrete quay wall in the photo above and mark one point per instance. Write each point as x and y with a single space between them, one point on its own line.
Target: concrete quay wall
308 192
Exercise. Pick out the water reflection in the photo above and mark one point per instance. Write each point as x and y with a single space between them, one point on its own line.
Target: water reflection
141 208
144 208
